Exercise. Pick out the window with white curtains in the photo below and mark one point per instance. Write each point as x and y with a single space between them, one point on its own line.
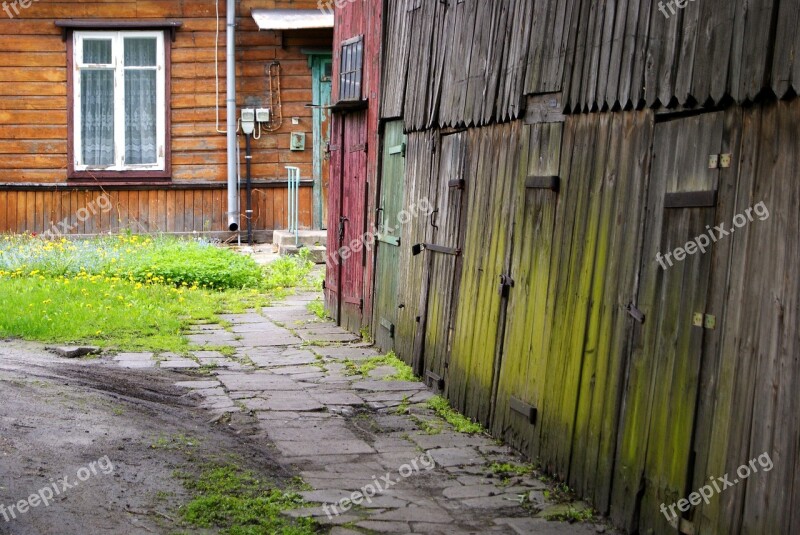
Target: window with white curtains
119 112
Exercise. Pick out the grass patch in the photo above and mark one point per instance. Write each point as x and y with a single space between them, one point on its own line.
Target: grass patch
130 292
511 469
461 423
290 272
317 307
142 259
403 370
365 334
172 442
236 503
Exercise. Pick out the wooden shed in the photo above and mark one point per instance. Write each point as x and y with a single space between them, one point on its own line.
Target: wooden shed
172 179
567 147
354 158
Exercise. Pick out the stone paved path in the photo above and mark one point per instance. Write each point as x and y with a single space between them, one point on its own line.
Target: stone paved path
357 441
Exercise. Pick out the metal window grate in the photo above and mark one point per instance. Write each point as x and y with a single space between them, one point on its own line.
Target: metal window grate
352 67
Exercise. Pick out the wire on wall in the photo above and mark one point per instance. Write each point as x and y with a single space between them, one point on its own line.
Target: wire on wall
274 75
216 70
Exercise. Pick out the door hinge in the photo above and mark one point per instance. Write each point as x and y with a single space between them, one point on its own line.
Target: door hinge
361 304
552 183
520 407
323 284
434 379
398 149
388 325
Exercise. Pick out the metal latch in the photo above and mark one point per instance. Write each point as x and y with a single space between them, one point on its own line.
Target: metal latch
725 160
342 219
637 314
713 161
506 283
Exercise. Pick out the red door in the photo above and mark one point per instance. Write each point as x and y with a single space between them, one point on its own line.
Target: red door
347 220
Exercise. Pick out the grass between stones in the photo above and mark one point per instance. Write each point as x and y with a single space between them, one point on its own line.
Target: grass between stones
237 503
460 423
131 292
403 370
317 307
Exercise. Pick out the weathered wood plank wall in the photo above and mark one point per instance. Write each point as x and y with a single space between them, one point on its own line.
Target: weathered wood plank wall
469 63
588 358
350 276
630 414
33 91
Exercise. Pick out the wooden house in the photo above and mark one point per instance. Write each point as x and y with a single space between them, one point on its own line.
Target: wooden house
354 152
156 145
568 146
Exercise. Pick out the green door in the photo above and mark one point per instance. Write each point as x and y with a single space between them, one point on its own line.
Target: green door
388 237
321 93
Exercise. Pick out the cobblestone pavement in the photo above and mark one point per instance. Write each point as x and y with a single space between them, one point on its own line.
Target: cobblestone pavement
368 447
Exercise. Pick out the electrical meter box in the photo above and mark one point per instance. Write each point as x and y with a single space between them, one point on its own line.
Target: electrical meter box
298 141
248 120
262 115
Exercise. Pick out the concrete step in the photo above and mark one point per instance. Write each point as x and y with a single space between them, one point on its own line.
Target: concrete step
316 252
305 237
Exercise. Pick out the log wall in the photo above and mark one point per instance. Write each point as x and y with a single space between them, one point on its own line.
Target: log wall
33 105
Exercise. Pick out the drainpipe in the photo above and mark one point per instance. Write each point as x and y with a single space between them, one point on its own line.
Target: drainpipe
233 179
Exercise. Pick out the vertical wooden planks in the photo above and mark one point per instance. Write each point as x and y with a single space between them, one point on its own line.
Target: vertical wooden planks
522 371
786 61
388 242
486 242
445 231
419 159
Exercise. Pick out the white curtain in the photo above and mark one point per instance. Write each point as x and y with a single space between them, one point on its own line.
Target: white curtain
97 105
140 101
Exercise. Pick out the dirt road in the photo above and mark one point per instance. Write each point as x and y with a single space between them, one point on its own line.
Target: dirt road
57 417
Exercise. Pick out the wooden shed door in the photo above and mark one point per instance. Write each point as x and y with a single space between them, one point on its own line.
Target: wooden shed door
344 284
523 362
443 263
388 236
657 449
333 272
352 222
321 65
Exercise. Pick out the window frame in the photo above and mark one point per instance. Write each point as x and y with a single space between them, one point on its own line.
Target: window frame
122 172
358 43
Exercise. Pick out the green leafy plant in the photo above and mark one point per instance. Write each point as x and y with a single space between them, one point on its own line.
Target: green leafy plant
317 307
